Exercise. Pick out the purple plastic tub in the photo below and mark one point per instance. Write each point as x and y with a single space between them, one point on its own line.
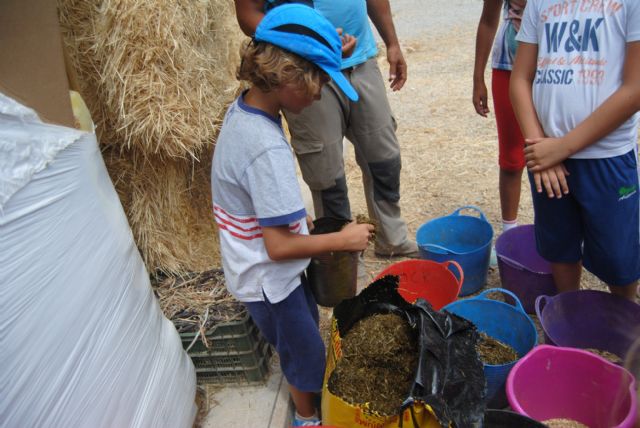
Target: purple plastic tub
552 382
589 319
522 270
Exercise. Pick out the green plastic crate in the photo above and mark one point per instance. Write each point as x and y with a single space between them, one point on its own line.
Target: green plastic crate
235 336
248 367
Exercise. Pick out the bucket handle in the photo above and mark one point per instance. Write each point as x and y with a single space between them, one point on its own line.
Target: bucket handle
541 302
439 249
472 208
460 275
516 265
517 305
513 263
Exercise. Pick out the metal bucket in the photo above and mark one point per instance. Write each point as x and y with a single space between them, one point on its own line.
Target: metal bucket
332 276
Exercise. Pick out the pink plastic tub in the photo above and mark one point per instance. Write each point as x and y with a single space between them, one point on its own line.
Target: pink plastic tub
553 382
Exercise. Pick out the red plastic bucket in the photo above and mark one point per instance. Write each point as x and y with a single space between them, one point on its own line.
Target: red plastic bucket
432 281
553 382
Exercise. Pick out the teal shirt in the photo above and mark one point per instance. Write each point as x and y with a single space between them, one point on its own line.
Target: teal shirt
351 16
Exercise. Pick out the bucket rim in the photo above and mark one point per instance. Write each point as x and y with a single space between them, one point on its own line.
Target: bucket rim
545 349
530 325
510 261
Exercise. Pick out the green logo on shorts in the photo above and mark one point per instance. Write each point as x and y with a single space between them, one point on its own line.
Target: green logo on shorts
626 192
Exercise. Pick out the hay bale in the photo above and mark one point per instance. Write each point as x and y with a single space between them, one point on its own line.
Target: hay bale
157 75
168 204
157 78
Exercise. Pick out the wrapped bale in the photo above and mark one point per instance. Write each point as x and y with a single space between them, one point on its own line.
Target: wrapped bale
85 343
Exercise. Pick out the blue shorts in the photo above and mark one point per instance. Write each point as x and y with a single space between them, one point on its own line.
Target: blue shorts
291 326
597 223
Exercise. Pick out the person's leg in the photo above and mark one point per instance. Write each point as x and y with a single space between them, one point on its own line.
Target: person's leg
316 136
609 195
566 276
371 129
291 326
304 402
629 292
509 186
559 235
510 148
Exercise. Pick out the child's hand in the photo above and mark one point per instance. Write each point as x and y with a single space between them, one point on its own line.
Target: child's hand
554 181
310 225
356 236
543 153
480 99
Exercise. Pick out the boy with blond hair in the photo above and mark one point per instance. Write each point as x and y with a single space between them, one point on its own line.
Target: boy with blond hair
257 200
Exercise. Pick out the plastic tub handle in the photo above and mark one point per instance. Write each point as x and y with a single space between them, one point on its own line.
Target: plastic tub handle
517 305
460 275
514 264
541 302
472 208
439 249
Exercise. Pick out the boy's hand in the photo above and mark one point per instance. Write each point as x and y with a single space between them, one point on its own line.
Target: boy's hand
310 225
554 181
356 236
480 99
543 153
348 43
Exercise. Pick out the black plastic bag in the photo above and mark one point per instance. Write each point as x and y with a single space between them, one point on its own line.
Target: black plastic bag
450 376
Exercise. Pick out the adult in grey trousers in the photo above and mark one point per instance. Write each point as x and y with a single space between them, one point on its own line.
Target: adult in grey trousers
318 131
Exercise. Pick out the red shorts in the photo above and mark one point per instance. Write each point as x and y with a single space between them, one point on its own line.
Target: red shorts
510 140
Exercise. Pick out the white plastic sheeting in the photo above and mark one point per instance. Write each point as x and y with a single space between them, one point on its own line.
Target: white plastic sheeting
83 342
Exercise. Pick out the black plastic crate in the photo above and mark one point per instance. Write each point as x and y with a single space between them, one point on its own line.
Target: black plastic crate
231 337
248 367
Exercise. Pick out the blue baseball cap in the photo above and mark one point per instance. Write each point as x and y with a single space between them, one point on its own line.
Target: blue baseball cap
303 31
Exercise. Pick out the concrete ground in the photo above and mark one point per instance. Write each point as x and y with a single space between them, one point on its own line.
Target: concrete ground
256 406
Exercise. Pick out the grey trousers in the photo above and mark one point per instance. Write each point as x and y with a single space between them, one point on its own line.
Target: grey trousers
317 135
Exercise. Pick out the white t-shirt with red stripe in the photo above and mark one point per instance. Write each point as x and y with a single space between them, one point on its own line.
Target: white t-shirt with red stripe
254 184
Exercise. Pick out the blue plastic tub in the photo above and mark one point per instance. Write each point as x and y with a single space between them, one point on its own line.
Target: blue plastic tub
462 238
507 323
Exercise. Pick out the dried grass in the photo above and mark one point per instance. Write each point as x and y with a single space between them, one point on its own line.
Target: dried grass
157 78
159 74
168 203
197 302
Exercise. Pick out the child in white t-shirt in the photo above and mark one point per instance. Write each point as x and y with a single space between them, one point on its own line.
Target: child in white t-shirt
575 88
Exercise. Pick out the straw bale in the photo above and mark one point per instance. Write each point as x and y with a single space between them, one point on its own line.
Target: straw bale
157 78
157 74
168 203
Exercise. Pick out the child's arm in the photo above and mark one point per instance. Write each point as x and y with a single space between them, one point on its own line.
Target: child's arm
487 27
613 112
520 89
281 244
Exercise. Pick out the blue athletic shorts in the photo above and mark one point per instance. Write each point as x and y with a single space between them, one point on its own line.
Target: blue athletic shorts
598 222
291 326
